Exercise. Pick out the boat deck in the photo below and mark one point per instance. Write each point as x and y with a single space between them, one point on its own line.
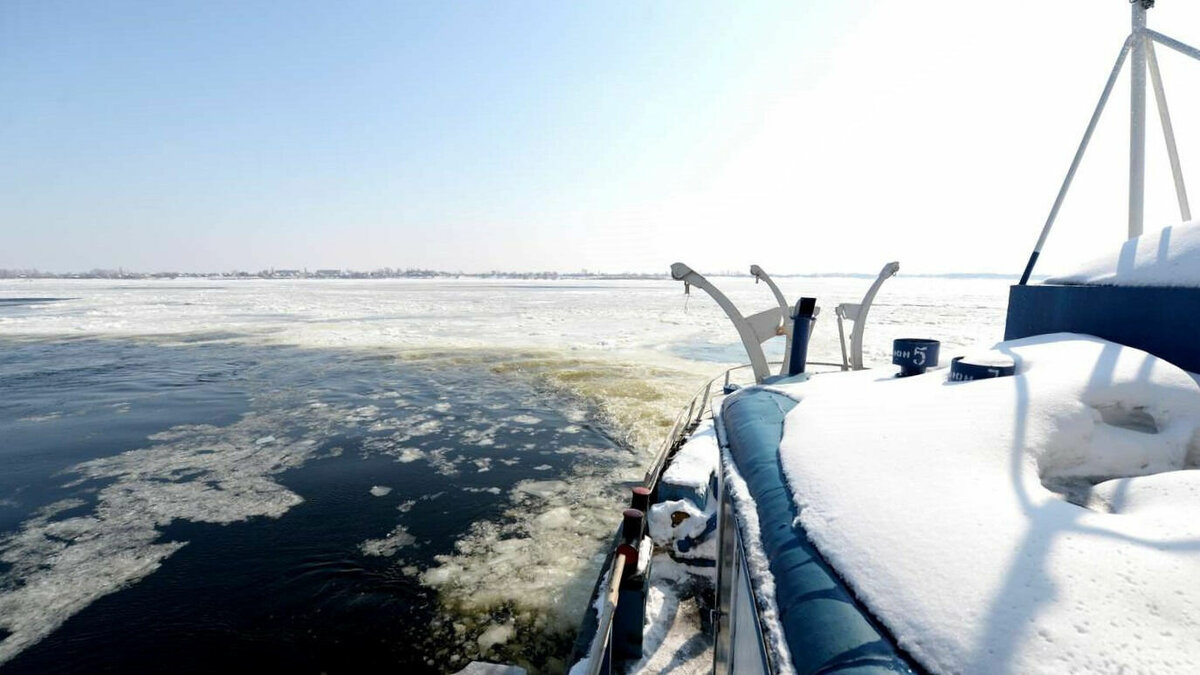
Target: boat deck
678 636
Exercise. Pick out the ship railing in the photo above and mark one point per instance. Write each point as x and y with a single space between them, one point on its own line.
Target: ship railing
685 422
691 414
599 655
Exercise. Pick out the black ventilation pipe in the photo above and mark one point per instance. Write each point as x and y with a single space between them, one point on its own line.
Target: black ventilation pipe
803 319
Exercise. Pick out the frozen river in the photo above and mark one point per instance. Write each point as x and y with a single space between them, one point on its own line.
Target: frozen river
336 475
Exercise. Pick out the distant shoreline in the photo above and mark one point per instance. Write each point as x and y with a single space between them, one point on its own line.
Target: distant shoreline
438 274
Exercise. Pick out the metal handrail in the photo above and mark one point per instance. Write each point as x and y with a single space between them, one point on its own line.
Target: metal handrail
607 612
686 419
692 414
685 422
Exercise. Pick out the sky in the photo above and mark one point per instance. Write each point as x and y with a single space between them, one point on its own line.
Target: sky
615 136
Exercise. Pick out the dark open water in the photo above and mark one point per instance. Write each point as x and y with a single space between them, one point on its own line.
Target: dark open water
209 506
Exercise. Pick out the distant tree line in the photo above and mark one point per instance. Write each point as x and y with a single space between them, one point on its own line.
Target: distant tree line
416 273
279 273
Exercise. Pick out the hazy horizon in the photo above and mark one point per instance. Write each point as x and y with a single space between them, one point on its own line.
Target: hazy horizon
399 272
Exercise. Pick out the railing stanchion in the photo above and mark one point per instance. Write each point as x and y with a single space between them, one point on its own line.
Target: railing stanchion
596 661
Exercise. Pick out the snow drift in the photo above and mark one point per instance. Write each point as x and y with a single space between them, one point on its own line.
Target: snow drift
1168 257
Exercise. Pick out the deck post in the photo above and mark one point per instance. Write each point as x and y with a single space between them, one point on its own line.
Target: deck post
1137 121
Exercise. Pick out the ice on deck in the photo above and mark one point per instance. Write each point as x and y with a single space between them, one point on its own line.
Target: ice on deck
676 640
685 517
1168 257
1037 523
692 470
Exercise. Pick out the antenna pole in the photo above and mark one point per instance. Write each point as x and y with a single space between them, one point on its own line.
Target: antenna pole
1137 120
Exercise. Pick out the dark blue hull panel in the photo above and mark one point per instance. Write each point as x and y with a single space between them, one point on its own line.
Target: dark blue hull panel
1162 321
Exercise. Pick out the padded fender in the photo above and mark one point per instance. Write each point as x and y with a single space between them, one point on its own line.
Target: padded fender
826 629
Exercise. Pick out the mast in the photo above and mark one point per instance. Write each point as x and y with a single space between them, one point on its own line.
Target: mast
1139 47
1137 118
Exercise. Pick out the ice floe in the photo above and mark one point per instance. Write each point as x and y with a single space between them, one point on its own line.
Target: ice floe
541 560
199 473
387 546
617 321
490 490
58 561
494 635
406 455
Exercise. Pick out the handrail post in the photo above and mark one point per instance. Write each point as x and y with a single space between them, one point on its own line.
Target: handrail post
597 660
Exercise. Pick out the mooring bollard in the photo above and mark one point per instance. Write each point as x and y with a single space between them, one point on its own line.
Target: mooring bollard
915 355
968 369
630 615
632 524
640 499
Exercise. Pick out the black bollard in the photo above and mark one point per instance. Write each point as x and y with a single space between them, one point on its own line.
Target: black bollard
630 617
915 355
641 499
968 369
803 320
632 522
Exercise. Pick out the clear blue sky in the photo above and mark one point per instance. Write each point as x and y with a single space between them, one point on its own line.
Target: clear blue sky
544 135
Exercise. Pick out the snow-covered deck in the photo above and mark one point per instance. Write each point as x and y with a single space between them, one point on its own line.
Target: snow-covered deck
676 639
1041 522
1168 257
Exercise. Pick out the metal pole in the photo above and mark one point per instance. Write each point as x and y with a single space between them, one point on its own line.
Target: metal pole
1137 123
1164 116
1066 185
1186 50
597 652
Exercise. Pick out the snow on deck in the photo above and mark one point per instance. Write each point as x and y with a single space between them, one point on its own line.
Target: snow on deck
680 521
1168 257
693 465
675 640
945 506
